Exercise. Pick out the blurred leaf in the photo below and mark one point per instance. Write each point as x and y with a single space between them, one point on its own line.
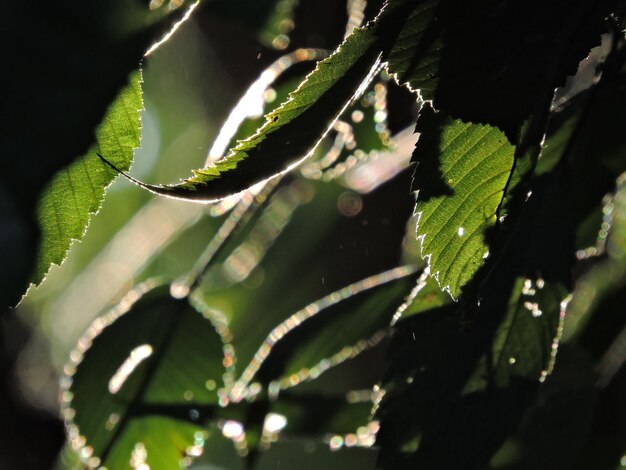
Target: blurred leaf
77 192
595 136
72 62
556 424
318 251
609 275
458 202
149 356
325 336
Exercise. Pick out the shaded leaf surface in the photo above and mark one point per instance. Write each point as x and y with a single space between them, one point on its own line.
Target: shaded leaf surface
152 352
337 332
486 61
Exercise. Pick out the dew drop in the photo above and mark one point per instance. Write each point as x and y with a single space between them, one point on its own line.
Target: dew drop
336 442
351 440
179 290
233 430
357 116
349 204
461 231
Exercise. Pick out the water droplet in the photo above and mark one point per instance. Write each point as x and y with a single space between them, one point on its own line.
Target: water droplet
512 360
351 440
138 457
336 442
210 384
533 308
349 204
232 429
188 395
269 95
527 286
179 290
461 231
274 423
357 116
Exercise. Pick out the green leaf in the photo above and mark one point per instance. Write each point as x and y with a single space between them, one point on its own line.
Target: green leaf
413 59
292 131
331 330
133 369
525 344
457 203
76 193
496 350
72 62
486 61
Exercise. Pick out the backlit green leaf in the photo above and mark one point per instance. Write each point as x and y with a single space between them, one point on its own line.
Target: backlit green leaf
76 193
457 202
72 62
292 131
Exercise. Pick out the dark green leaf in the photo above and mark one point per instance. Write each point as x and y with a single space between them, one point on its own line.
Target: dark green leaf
150 355
487 61
327 333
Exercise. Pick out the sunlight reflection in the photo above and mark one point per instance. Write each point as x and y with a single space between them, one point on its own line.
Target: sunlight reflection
136 357
252 102
172 6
